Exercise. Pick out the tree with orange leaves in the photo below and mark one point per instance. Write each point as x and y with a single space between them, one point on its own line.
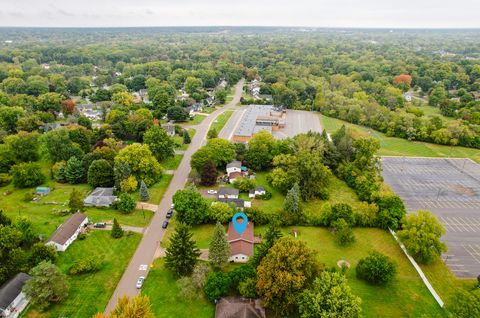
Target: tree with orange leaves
403 80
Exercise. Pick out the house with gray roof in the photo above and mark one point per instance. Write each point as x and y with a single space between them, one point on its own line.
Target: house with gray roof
228 193
100 197
170 128
239 307
12 300
68 232
256 192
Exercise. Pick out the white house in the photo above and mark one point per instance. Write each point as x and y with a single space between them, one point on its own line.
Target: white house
407 97
234 166
257 191
12 300
241 246
68 232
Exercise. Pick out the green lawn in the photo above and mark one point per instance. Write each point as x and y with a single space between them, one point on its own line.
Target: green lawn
179 139
90 293
406 296
157 190
197 119
208 110
221 120
172 163
392 146
166 300
45 222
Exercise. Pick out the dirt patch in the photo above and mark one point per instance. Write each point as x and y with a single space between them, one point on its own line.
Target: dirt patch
458 188
342 263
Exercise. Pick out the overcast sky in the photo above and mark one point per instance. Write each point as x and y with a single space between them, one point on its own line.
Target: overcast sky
318 13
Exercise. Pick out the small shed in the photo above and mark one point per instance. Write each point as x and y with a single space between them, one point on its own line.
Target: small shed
42 190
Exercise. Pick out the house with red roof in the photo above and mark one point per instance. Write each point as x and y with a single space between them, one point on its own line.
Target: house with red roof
241 246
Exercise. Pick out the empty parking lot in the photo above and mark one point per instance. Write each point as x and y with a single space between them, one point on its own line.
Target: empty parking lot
450 188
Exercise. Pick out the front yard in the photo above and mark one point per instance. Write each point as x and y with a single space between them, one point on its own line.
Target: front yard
90 293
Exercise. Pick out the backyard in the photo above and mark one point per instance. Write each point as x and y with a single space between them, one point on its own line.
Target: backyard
90 293
392 146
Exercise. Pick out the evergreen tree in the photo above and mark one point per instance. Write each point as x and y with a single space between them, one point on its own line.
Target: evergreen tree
208 175
4 220
74 170
144 196
186 137
219 249
291 204
182 253
75 202
117 231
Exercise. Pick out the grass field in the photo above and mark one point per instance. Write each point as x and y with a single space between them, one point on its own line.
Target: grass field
221 120
197 119
89 293
157 190
172 163
208 110
41 213
179 139
166 300
392 146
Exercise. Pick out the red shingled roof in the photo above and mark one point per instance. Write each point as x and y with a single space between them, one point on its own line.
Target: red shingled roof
241 244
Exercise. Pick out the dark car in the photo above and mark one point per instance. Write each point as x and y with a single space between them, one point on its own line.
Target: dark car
100 225
165 224
169 213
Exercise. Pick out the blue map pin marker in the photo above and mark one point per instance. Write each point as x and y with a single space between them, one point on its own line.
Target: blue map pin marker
240 227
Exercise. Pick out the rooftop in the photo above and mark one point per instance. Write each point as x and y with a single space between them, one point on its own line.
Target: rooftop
241 244
249 119
11 289
100 197
234 164
228 191
67 229
238 307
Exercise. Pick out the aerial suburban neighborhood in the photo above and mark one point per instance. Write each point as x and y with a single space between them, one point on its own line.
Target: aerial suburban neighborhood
238 171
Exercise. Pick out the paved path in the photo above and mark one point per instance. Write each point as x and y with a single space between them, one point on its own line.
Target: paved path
232 123
153 234
124 227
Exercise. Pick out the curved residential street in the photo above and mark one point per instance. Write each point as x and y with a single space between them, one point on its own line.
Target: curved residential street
153 234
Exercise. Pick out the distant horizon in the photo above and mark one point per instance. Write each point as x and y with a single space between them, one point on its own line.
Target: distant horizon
370 14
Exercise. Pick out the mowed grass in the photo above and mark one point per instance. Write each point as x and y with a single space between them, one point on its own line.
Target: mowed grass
406 296
221 120
41 215
197 119
90 293
179 139
161 288
156 191
392 146
172 163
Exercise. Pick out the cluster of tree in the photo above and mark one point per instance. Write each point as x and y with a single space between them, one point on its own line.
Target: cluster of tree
20 247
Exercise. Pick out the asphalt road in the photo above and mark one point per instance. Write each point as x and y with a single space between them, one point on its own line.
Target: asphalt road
153 234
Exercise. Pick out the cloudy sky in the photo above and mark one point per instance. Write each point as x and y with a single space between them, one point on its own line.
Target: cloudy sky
319 13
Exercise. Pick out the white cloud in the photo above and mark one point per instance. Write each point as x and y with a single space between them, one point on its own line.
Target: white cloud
320 13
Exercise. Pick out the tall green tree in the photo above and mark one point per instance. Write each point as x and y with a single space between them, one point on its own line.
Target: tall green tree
23 146
144 196
27 175
191 207
421 233
100 174
261 150
291 204
219 249
74 171
117 231
288 268
75 202
330 296
160 144
181 253
47 285
143 164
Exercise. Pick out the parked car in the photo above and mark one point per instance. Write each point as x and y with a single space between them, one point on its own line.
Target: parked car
165 224
100 225
169 213
212 191
140 281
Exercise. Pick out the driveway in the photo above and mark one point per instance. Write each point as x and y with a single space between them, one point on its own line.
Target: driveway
153 234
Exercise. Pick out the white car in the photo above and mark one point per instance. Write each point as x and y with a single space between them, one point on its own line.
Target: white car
140 281
212 191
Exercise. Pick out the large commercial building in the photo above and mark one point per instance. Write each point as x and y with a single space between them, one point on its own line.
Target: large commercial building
257 118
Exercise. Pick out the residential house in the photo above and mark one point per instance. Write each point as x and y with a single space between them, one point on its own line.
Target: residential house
235 175
228 193
234 166
68 232
256 192
100 197
241 246
239 307
222 84
144 95
210 101
12 300
407 97
170 128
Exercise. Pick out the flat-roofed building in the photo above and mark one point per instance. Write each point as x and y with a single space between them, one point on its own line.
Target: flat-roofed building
257 118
